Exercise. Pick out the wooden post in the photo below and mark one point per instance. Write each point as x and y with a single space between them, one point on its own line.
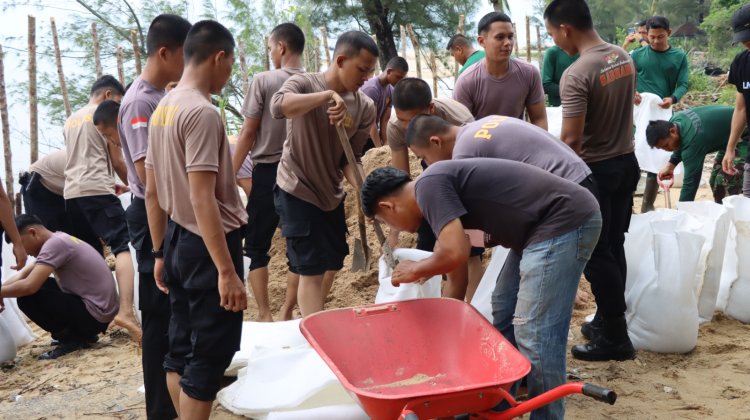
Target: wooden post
58 61
33 109
461 19
528 39
243 68
324 36
433 65
539 46
120 69
18 205
415 45
136 51
266 58
376 72
97 50
515 40
403 41
6 132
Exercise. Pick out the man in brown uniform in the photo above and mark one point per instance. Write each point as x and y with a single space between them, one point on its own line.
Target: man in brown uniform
263 136
310 196
189 178
596 93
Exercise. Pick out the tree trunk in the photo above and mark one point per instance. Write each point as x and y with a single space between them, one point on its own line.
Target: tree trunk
496 4
539 46
515 40
120 68
97 50
266 58
528 39
377 68
324 37
6 133
377 17
243 68
433 68
33 109
136 51
415 45
58 61
403 41
461 19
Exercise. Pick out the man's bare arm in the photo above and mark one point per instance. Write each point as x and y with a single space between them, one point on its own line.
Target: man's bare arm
538 114
245 142
572 132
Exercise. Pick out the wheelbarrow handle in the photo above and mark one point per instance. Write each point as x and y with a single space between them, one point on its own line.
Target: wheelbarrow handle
599 393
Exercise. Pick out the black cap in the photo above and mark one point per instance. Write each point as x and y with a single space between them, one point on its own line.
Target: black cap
741 24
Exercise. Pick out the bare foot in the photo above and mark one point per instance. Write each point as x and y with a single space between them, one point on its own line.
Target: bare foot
264 318
582 298
287 314
131 325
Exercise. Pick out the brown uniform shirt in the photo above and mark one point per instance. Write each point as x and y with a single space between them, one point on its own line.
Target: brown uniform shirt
312 160
186 134
52 170
88 170
601 85
272 132
448 109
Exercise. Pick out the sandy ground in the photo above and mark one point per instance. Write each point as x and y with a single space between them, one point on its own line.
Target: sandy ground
711 381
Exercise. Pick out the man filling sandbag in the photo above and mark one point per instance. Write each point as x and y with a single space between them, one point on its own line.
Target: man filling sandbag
690 135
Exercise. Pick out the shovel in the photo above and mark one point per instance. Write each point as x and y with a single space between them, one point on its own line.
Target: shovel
387 251
361 257
666 184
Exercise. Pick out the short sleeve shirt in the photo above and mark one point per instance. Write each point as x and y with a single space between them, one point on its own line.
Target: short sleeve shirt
739 76
600 85
312 161
379 94
271 135
484 94
448 109
186 134
509 201
513 139
51 169
81 271
138 104
88 169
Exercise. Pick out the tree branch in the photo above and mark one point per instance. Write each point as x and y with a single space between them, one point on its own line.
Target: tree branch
123 33
138 24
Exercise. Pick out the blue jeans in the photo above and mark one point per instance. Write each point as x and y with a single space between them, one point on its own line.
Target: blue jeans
533 302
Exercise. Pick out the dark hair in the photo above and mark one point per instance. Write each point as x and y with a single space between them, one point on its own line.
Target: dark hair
350 43
489 19
411 93
644 22
168 31
422 127
381 182
25 220
106 113
398 63
458 40
107 82
657 130
575 13
205 39
658 22
291 35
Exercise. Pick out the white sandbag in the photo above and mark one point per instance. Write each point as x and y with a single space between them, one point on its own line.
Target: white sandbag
715 221
265 335
482 299
651 160
283 380
554 120
662 309
15 321
7 344
334 412
728 269
389 293
739 288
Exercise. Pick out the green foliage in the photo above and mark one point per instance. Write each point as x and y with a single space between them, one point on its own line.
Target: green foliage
698 81
727 96
718 26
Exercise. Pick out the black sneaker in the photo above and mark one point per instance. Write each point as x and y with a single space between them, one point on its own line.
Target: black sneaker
62 349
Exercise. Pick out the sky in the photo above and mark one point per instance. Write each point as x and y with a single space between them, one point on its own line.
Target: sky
13 38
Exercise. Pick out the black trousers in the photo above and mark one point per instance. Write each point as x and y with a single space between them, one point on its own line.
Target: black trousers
155 314
616 180
63 315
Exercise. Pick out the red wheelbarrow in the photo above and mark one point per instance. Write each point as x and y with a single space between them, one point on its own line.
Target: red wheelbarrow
426 359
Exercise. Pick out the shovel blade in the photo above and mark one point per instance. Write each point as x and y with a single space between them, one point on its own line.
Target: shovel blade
360 257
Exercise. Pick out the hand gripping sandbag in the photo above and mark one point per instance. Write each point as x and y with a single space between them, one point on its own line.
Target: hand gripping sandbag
738 301
714 227
387 292
482 299
663 313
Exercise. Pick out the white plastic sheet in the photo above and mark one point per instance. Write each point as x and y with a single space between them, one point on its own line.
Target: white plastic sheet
389 293
482 299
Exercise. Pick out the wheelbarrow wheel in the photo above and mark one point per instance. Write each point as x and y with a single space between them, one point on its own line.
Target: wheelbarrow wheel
408 415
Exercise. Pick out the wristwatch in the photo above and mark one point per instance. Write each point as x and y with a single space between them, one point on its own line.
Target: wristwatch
157 253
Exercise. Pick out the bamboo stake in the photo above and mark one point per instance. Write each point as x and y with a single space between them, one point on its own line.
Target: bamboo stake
415 45
539 46
136 51
433 65
97 50
461 19
515 39
58 61
403 41
6 132
120 69
33 109
528 39
324 36
266 59
243 68
377 67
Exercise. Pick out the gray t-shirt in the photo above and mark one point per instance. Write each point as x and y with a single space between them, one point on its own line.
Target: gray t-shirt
81 271
138 104
379 94
513 139
513 203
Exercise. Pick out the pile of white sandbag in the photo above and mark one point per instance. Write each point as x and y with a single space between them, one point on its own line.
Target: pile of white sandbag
734 296
14 331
